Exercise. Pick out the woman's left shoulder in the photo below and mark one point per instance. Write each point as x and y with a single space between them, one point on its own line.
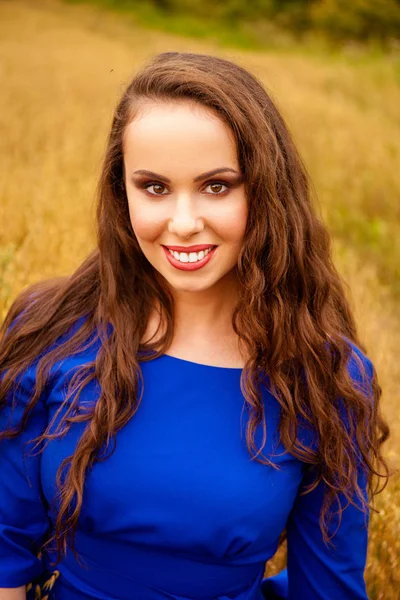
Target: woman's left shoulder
360 366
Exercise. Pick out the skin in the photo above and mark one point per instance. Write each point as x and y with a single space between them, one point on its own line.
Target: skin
181 141
13 593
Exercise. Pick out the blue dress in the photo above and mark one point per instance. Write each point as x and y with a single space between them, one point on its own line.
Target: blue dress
179 511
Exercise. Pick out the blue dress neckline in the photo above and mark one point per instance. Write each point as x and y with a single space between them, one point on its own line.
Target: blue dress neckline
191 362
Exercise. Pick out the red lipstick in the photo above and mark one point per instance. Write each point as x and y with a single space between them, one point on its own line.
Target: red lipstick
194 266
195 248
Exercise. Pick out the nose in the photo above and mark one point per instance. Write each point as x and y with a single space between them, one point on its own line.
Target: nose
184 221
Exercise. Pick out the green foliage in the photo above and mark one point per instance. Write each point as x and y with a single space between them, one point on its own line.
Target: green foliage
339 20
358 19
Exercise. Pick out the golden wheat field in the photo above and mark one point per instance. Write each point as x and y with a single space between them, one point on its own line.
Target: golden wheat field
62 69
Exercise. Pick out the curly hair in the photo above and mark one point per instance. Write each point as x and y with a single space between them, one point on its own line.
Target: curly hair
292 316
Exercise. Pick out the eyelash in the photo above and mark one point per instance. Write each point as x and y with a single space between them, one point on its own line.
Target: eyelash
214 182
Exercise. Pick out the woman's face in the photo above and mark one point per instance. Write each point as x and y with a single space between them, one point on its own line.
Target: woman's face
176 202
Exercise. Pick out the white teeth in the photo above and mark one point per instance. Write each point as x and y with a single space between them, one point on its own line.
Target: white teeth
191 257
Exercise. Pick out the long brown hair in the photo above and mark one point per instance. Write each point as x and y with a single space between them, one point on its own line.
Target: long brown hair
292 316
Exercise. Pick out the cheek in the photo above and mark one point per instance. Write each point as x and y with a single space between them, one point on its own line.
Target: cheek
233 225
146 224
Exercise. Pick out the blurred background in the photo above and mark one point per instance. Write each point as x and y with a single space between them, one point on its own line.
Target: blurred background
333 68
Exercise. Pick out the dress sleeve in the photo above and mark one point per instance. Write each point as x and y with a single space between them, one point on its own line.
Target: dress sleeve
317 571
23 512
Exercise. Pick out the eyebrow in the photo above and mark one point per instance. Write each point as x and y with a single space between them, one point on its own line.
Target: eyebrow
198 178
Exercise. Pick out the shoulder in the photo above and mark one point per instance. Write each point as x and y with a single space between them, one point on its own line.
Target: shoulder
50 361
360 372
360 368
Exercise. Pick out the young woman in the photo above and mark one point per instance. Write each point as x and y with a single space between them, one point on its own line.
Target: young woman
196 390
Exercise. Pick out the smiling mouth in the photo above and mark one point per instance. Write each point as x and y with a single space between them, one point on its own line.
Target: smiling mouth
189 261
190 257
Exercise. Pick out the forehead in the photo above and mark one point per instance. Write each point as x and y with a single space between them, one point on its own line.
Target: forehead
178 132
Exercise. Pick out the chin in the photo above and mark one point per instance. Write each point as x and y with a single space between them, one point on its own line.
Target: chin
190 286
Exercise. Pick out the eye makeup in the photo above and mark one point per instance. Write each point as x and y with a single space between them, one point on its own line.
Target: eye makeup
143 182
226 184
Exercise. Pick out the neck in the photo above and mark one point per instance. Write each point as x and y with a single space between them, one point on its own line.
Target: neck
207 310
201 317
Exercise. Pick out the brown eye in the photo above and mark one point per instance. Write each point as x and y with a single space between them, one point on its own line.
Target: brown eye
156 187
216 187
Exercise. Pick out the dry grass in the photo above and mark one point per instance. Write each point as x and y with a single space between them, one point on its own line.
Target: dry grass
62 70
